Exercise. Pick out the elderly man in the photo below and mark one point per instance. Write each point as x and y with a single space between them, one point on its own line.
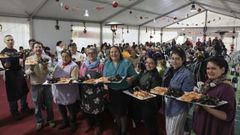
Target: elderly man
16 85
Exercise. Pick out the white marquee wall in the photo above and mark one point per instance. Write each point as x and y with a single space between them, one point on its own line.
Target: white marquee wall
17 27
44 31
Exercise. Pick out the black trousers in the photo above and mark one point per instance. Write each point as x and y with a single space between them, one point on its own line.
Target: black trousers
94 119
149 116
72 109
148 112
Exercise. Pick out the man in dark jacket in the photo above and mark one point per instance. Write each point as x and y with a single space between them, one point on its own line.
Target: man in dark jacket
16 86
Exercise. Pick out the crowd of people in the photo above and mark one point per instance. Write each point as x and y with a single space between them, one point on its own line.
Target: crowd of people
179 67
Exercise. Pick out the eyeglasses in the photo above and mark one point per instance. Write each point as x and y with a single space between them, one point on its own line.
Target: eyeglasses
114 52
90 53
149 63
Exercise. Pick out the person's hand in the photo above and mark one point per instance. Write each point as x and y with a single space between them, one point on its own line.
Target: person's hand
45 66
130 80
199 87
105 87
206 108
32 67
2 73
196 89
7 64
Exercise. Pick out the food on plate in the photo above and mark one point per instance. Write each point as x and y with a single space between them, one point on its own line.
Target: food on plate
115 78
103 80
12 54
159 90
64 80
30 62
141 94
207 100
190 96
174 92
90 81
53 80
43 61
3 55
59 80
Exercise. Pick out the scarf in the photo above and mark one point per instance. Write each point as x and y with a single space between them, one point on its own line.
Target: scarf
65 64
212 83
91 65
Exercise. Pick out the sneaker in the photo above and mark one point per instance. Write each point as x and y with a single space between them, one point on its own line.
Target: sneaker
88 129
63 125
99 131
39 126
16 116
51 124
73 127
26 110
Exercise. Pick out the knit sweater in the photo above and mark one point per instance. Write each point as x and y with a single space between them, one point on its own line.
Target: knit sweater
39 74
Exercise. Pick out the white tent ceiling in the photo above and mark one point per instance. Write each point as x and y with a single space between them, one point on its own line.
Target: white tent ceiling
214 20
151 13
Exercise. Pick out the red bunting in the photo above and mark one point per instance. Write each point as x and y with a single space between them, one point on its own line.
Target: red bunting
114 4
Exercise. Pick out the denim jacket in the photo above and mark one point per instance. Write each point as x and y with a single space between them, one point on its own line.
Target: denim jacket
183 79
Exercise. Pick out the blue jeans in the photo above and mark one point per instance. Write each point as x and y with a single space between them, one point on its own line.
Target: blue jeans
42 97
14 105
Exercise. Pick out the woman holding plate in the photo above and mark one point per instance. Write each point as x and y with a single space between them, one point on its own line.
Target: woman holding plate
180 79
148 109
92 101
66 95
117 65
219 120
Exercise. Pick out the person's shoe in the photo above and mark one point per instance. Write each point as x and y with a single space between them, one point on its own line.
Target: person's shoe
88 129
16 116
99 131
52 124
63 125
73 127
27 110
117 132
39 126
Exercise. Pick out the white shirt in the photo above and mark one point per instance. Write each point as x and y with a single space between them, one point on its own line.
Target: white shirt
59 50
79 56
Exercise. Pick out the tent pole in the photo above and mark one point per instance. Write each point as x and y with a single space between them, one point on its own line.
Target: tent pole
205 26
139 30
101 34
31 30
161 35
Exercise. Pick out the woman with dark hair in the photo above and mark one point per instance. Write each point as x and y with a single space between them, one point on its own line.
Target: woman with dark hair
178 78
118 105
148 109
66 95
219 120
